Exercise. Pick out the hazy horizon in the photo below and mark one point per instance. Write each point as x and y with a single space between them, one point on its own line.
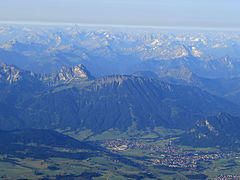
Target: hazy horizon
215 14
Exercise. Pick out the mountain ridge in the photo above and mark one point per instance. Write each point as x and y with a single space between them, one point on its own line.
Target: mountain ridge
117 101
221 130
222 87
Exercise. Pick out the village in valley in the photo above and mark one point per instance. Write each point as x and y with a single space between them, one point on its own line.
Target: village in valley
169 155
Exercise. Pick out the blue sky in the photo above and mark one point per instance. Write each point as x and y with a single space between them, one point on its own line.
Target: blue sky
183 13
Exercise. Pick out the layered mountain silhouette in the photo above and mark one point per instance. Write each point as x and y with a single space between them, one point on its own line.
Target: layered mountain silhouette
73 99
45 50
226 88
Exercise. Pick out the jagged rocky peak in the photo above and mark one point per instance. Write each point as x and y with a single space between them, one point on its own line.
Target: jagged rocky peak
67 74
13 74
75 72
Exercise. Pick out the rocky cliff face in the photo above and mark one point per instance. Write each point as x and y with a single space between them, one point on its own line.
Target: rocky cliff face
68 74
11 74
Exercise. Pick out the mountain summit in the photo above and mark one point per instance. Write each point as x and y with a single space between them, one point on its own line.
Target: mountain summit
214 131
75 72
67 74
11 74
72 98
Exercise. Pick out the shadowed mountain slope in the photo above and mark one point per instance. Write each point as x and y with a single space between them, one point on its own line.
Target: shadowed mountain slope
214 131
121 102
72 99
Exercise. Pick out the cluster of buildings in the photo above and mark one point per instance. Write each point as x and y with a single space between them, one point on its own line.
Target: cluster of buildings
185 160
167 155
228 177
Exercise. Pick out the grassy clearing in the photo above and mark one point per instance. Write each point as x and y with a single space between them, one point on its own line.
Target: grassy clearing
112 134
222 166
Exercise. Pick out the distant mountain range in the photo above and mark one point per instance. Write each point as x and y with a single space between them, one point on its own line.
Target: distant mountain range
73 99
223 87
139 79
109 51
139 99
